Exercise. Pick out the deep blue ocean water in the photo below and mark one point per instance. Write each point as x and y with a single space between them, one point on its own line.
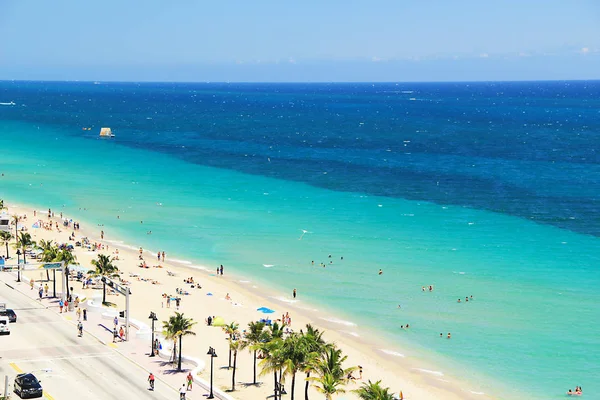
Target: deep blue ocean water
490 189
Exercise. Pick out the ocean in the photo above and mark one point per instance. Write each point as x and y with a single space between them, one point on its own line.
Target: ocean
490 190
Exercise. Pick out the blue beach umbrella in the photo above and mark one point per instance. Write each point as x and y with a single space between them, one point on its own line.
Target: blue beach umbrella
265 310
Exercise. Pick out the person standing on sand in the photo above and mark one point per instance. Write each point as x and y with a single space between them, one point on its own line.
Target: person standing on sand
102 235
294 293
158 256
221 269
163 256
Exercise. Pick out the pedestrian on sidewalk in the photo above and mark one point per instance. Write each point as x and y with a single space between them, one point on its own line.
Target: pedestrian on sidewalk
46 290
182 392
66 305
122 334
115 335
85 314
116 321
190 381
31 281
40 292
61 304
78 314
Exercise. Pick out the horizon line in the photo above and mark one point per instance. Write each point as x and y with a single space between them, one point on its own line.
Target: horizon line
301 82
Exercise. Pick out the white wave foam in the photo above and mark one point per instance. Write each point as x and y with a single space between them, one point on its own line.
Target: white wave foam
392 353
115 241
12 103
477 393
244 281
200 267
339 321
352 333
284 299
268 265
428 371
185 262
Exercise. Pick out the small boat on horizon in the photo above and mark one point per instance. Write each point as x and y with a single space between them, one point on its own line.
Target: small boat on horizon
106 132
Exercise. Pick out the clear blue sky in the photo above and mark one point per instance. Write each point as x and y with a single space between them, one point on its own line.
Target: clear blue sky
309 40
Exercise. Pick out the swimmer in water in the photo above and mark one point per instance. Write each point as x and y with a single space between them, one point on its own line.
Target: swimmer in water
380 272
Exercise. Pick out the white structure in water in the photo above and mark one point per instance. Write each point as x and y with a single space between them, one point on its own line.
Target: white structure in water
106 132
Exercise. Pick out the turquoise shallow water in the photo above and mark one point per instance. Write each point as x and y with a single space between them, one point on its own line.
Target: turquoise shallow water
533 324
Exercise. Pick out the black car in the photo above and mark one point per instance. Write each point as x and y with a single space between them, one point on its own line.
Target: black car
12 317
27 385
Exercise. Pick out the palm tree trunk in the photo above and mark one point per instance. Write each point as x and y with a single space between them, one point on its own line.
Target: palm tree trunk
229 366
179 362
275 387
103 292
293 385
48 276
7 255
67 279
24 259
254 367
233 374
306 386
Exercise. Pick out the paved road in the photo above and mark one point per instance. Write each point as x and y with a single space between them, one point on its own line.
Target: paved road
68 366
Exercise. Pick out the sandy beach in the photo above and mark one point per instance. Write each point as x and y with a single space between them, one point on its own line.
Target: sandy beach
394 370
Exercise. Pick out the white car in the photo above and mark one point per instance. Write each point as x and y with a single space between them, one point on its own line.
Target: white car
4 327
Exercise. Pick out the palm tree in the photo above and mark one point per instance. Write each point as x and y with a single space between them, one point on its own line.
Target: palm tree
67 257
295 353
331 373
5 237
24 242
315 345
231 330
234 346
329 385
2 205
177 327
49 253
256 335
104 267
273 362
374 391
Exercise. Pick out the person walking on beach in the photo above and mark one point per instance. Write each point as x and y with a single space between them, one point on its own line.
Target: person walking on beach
163 256
294 293
158 256
221 269
102 235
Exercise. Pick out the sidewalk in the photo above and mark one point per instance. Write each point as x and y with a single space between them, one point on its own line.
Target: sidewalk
136 349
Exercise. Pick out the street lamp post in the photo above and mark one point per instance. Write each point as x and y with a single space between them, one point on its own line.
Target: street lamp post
18 265
212 353
153 318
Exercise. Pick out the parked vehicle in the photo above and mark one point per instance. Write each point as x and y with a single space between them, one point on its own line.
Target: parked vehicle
28 386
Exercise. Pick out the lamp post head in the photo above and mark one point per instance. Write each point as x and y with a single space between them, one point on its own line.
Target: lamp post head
212 352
